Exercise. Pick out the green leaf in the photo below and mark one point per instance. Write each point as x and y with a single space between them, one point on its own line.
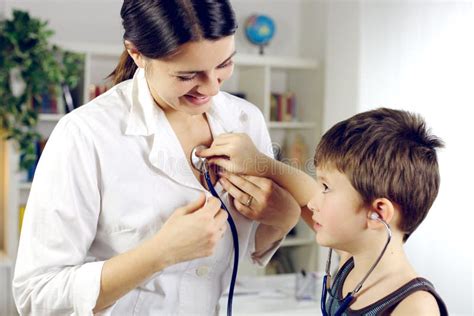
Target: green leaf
24 43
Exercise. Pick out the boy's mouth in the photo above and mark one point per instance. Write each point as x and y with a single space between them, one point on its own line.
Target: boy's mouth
316 225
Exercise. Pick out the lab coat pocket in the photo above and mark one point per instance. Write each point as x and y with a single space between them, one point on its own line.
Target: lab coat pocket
124 237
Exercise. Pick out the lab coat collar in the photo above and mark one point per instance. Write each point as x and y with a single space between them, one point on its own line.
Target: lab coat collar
224 115
145 116
146 119
144 113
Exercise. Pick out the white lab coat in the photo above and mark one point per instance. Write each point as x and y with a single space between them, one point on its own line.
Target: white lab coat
111 174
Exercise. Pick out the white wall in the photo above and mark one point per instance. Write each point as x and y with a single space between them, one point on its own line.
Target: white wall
94 21
419 57
341 61
416 56
98 21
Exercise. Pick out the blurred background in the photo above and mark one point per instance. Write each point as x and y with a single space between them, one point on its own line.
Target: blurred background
324 61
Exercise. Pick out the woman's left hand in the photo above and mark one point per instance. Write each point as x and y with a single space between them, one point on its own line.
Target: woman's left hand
262 200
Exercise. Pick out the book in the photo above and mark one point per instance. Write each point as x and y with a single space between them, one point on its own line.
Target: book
39 146
283 107
21 214
68 100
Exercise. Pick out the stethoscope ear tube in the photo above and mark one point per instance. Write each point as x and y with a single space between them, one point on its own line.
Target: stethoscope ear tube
350 296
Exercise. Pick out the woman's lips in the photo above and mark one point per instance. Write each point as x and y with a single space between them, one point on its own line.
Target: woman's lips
197 100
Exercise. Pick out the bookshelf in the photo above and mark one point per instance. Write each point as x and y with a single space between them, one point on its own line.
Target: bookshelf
255 76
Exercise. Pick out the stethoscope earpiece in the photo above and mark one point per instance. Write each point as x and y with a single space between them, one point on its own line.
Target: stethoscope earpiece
374 216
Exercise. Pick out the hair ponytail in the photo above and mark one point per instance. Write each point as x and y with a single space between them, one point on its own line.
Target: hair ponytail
125 69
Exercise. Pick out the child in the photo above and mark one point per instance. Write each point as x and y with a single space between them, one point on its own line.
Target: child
376 167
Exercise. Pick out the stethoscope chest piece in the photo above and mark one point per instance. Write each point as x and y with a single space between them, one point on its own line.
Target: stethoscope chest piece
198 163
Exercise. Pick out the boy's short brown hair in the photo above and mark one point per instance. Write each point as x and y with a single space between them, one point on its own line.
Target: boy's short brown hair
386 153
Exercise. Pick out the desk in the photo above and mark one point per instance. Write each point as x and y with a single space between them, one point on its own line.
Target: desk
270 295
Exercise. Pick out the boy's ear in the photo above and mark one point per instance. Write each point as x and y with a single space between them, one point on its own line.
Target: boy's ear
385 210
137 57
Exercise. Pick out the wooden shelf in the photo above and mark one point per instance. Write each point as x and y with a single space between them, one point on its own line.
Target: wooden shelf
5 261
50 117
292 125
24 186
296 241
284 62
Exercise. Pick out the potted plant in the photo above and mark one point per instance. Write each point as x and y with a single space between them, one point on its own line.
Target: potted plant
29 66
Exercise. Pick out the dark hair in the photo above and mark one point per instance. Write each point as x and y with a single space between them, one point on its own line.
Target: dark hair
157 28
386 153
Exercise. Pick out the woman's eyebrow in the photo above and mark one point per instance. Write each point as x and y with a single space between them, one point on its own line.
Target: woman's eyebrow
195 71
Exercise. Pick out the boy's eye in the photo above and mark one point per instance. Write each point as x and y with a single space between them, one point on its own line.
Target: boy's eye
326 188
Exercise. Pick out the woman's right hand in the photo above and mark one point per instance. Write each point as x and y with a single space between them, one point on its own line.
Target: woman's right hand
192 231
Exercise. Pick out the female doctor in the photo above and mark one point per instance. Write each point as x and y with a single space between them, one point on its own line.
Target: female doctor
117 221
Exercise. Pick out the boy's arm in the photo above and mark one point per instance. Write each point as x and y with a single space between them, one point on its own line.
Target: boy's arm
419 303
300 185
236 153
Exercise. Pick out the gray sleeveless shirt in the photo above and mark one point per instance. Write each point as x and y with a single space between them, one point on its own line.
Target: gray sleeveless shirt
383 306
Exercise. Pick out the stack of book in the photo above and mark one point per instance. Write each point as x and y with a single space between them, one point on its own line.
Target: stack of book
283 107
56 100
97 89
39 146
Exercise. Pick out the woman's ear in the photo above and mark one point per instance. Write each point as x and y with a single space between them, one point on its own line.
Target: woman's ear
384 209
137 57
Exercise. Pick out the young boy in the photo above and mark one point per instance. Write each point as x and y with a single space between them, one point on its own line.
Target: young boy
376 166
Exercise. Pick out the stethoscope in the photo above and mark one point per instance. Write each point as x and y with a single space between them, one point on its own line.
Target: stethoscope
201 165
346 301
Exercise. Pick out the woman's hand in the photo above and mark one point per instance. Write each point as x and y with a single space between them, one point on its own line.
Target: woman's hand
262 200
192 231
236 153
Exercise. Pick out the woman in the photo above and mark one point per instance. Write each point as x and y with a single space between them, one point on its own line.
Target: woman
117 220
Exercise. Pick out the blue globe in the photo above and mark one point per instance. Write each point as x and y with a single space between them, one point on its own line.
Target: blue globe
259 29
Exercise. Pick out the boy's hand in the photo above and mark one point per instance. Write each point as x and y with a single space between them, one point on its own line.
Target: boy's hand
236 153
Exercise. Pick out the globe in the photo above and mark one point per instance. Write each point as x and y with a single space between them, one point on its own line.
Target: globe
259 30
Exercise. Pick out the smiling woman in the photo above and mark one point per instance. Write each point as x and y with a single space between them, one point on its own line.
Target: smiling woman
130 204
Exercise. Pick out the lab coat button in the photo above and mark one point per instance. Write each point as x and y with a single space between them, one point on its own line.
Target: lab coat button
202 271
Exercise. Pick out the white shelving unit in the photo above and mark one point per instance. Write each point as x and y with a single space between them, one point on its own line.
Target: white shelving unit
256 76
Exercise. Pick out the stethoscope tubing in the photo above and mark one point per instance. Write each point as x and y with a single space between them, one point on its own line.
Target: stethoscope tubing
350 296
235 239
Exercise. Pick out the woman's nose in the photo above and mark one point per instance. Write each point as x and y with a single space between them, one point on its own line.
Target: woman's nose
210 85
